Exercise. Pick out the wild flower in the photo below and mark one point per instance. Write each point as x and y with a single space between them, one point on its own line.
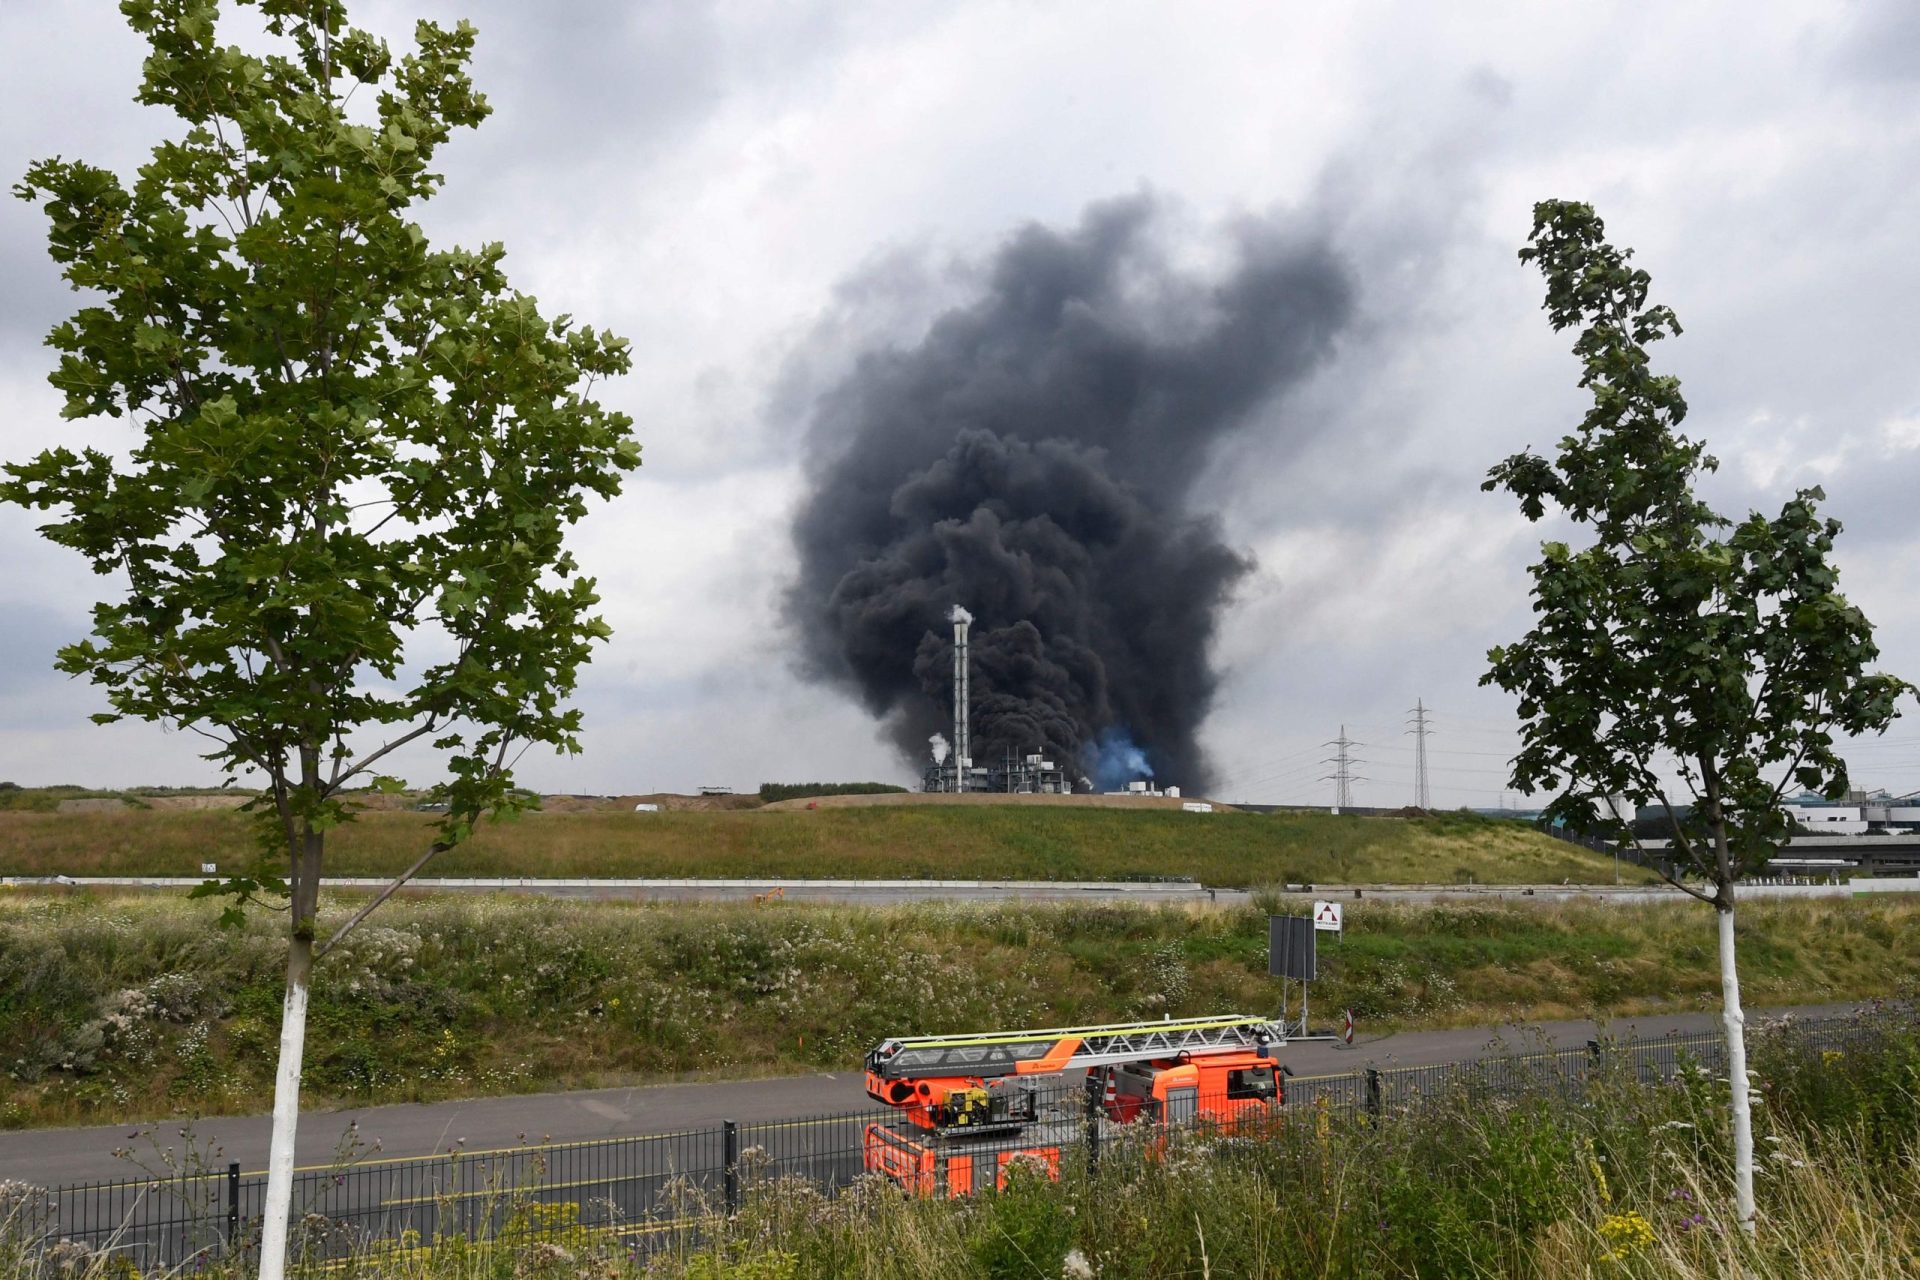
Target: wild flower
548 1253
1599 1174
71 1258
1626 1235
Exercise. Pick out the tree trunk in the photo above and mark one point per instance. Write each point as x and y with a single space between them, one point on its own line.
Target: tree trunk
286 1109
1736 1023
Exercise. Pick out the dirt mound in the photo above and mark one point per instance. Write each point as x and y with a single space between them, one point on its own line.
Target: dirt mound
227 800
93 804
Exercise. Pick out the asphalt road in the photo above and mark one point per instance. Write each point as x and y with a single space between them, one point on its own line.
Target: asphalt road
53 1157
880 893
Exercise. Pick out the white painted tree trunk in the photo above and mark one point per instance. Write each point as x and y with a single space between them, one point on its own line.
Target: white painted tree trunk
1736 1022
286 1112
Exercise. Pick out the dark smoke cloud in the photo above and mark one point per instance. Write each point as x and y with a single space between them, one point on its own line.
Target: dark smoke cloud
1033 459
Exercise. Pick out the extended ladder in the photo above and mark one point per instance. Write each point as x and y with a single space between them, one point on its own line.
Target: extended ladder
1061 1048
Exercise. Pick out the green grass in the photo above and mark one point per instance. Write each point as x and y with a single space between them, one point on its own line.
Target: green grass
113 1007
1030 842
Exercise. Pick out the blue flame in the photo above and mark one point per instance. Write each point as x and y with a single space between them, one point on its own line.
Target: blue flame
1114 761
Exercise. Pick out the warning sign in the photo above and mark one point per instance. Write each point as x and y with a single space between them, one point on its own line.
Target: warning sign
1326 917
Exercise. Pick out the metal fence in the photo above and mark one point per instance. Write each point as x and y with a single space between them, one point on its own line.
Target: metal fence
633 1189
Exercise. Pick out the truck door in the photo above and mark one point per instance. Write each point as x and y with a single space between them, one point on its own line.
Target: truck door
1177 1091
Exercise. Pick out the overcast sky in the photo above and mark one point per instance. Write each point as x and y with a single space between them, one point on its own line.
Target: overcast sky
754 193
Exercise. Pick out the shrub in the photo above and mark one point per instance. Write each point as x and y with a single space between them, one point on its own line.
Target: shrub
771 791
1024 1231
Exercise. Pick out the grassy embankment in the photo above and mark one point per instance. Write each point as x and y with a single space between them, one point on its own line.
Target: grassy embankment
909 842
112 1008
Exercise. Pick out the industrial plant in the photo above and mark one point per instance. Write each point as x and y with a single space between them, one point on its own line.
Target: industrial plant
952 767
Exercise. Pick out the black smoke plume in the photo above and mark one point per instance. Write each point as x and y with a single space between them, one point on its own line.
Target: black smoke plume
1034 459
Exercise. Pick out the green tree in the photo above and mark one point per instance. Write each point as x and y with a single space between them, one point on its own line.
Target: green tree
338 527
1675 644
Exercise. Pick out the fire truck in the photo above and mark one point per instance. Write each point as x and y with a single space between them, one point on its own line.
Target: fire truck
969 1105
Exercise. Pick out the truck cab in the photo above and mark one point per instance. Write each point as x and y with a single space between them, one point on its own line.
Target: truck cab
971 1105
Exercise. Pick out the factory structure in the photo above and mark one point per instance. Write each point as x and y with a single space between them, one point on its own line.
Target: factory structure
1861 813
952 767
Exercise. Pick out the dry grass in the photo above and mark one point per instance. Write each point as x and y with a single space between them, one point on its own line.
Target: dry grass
1030 842
1829 1210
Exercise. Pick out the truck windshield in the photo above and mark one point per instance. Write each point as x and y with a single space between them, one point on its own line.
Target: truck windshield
1250 1082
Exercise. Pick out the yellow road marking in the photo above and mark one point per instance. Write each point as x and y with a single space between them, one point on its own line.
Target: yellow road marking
532 1148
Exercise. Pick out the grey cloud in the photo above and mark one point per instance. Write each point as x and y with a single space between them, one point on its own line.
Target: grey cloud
33 297
599 78
1882 43
29 635
1490 85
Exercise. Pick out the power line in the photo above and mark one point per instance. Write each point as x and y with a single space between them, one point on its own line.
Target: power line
1240 777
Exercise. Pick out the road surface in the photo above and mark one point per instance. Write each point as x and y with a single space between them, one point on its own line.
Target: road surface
880 893
53 1157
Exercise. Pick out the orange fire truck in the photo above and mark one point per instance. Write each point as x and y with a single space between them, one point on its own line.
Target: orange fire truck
969 1104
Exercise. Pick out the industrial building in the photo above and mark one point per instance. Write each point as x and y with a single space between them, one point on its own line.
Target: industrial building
1146 788
952 768
1861 813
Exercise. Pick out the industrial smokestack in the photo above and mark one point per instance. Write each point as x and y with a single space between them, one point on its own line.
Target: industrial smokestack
962 750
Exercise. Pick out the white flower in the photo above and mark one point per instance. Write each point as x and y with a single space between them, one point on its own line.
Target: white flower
1077 1267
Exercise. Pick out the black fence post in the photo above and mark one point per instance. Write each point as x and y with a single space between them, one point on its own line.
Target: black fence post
233 1207
1373 1092
1093 1129
730 1154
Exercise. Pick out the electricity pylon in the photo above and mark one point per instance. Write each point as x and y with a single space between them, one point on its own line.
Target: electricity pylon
1422 797
1343 776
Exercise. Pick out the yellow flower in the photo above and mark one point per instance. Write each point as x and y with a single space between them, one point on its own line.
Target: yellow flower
1599 1174
1625 1235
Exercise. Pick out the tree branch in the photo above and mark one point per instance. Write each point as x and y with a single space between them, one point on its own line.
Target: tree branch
438 847
1780 790
419 731
1679 840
